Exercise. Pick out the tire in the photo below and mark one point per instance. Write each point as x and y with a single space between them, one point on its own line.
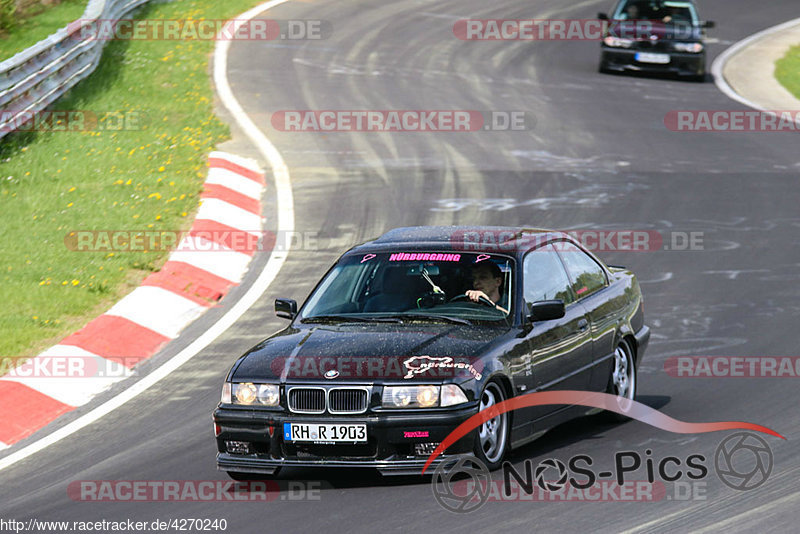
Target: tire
622 381
492 438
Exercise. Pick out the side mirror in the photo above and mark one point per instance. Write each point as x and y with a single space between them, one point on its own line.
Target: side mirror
602 16
708 24
545 310
285 308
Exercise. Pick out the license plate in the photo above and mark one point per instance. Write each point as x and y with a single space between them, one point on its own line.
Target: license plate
325 433
649 57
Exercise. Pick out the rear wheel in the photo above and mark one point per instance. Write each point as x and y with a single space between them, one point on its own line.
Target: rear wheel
491 441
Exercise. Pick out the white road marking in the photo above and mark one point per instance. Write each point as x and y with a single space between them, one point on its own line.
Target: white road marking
285 224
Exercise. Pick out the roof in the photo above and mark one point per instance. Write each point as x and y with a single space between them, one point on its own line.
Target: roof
462 238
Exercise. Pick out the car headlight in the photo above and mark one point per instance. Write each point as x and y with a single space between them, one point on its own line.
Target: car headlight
422 396
617 42
249 394
411 396
694 48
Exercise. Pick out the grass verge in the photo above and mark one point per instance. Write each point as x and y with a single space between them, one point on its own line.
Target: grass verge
147 176
787 70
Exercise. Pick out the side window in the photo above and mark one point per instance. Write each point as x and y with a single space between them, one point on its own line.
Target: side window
544 276
586 275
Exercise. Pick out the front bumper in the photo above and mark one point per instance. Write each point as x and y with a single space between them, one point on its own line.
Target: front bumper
681 63
390 447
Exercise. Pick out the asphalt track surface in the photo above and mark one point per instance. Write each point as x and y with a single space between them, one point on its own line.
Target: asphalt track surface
597 156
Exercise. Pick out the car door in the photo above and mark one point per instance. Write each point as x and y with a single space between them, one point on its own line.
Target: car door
589 282
559 351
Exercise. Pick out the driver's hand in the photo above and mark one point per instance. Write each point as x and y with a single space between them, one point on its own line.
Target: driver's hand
475 295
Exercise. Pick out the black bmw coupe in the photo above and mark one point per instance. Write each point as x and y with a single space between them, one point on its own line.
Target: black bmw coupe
409 335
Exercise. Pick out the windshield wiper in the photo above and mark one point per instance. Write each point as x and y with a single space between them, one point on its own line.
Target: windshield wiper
439 318
349 319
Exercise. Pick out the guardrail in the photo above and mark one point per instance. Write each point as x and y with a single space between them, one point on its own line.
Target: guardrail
34 78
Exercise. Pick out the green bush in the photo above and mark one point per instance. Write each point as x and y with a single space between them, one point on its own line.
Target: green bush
8 9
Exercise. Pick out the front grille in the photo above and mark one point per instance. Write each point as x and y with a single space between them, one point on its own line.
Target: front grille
307 400
347 400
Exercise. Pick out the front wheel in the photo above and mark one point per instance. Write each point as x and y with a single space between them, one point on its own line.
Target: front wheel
491 441
622 381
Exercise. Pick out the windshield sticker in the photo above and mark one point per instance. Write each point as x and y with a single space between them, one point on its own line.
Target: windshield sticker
482 257
420 364
405 256
367 257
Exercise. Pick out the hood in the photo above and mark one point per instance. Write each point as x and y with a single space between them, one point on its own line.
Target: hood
370 353
655 31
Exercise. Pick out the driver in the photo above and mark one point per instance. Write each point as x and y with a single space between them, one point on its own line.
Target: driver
487 280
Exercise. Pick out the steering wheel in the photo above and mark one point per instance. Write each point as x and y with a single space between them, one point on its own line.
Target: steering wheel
482 300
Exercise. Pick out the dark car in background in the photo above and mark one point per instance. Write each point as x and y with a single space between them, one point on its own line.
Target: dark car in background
655 36
390 353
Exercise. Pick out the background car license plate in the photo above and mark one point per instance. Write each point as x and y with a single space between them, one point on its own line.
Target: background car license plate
315 432
649 57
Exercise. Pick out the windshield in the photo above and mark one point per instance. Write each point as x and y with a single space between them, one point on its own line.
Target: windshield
666 11
443 286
